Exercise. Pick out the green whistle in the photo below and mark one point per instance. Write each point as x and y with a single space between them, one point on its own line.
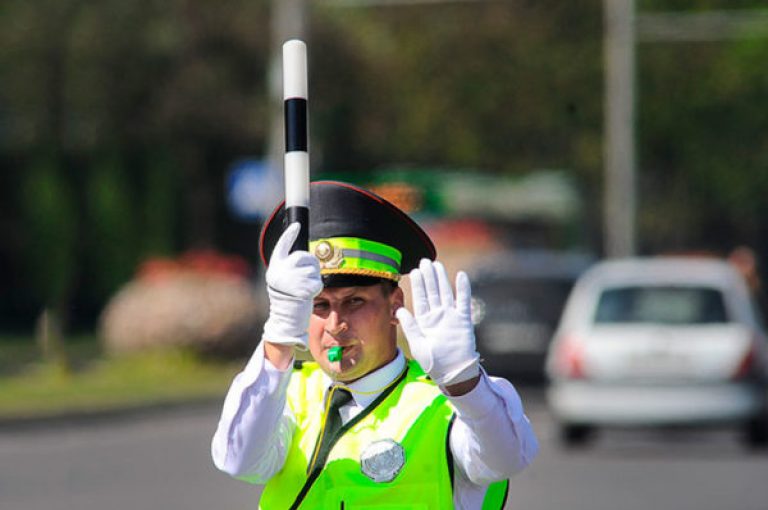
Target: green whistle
334 354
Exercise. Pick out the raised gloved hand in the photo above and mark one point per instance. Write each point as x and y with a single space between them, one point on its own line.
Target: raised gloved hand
293 281
440 333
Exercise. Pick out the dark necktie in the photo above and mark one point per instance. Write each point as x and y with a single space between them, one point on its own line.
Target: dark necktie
339 397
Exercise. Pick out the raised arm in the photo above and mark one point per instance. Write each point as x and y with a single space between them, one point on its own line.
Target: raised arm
492 438
256 427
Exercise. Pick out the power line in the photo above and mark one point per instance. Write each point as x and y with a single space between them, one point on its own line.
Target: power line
393 3
701 26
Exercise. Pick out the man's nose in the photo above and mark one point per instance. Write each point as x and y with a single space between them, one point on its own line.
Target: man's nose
335 324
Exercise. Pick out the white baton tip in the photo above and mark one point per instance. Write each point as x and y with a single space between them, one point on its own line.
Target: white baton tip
294 69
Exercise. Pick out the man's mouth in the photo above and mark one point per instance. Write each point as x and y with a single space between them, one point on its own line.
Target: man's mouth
335 353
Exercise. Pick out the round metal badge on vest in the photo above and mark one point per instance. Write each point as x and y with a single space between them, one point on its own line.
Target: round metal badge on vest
382 460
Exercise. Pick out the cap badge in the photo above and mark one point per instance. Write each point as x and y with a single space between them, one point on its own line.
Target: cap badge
330 256
382 460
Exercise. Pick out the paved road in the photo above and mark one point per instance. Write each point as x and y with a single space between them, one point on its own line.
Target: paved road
154 462
635 470
161 461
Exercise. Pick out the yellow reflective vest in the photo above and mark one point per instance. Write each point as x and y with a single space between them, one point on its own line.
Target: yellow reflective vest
393 455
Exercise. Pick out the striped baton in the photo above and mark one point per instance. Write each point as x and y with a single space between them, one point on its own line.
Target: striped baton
296 131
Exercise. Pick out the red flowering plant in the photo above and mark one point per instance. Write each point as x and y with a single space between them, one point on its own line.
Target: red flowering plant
202 299
202 262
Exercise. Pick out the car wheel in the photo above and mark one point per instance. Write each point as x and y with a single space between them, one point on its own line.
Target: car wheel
573 435
756 432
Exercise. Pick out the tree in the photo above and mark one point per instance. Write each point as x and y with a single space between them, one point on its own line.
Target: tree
51 249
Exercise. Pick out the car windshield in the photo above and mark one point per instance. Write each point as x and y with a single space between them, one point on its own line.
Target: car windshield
661 304
522 300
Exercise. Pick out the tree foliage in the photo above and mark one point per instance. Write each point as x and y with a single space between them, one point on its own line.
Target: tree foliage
145 103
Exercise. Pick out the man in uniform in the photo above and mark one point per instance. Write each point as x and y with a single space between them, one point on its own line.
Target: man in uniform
362 426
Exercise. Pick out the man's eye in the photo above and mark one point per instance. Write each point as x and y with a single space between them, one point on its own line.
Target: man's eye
356 301
320 306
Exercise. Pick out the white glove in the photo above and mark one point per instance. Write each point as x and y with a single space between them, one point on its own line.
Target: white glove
441 336
293 281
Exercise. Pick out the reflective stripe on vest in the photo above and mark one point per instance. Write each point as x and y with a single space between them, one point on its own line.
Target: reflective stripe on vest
414 414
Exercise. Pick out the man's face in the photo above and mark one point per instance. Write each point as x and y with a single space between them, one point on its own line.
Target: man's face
359 319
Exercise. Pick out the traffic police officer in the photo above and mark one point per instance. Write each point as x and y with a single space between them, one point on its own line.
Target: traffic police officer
361 426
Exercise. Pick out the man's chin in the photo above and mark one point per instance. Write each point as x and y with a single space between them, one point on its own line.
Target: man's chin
341 373
343 377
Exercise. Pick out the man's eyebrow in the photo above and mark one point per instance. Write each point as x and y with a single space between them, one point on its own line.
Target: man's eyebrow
340 295
347 291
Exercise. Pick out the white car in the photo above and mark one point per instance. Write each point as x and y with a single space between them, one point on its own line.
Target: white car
659 341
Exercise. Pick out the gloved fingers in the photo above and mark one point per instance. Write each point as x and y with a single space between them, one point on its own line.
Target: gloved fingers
315 286
287 238
305 282
303 259
463 294
305 272
418 293
430 283
444 284
420 350
407 322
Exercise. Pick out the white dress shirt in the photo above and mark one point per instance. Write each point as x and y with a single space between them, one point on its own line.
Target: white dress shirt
491 438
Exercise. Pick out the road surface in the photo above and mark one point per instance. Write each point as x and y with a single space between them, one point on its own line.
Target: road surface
160 460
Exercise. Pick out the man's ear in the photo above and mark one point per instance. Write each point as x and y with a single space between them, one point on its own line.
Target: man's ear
396 301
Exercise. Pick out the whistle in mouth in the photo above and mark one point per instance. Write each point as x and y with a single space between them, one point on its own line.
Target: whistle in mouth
334 354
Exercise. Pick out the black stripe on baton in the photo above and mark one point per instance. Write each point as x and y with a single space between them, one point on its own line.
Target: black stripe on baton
300 214
295 124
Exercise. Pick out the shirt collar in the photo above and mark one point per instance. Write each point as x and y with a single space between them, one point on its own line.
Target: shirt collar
366 389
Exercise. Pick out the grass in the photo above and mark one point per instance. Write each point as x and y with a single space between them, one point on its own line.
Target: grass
30 387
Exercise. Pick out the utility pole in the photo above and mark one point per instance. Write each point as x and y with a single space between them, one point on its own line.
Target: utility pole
619 205
623 31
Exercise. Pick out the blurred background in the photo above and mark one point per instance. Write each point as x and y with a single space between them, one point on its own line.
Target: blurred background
141 150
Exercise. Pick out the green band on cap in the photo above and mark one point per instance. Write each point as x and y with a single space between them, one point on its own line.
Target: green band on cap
353 254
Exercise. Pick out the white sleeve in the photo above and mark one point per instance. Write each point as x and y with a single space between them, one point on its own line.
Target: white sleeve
256 426
491 439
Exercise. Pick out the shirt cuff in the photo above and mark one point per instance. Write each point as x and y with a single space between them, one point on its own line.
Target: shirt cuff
478 402
258 363
273 370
